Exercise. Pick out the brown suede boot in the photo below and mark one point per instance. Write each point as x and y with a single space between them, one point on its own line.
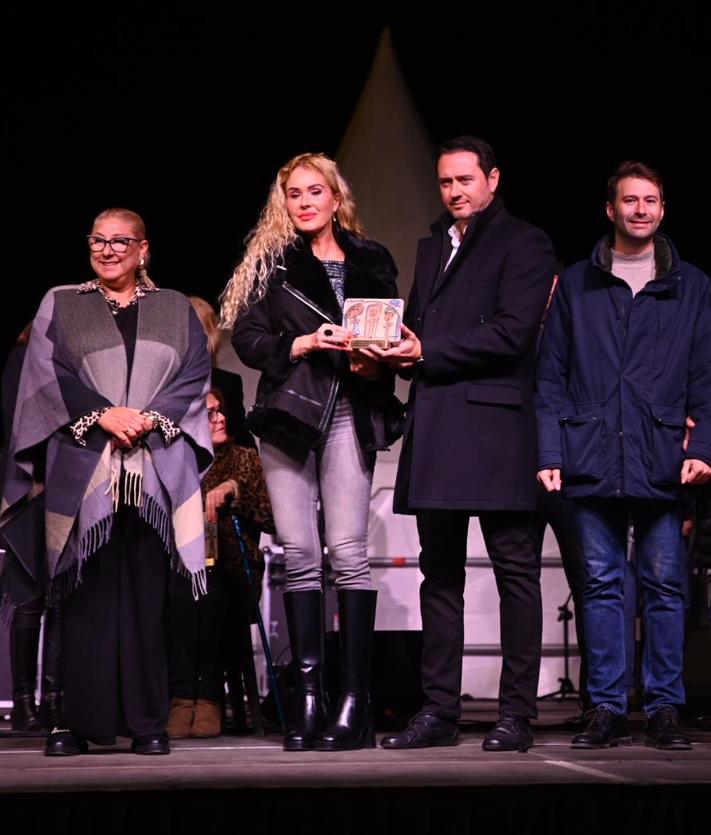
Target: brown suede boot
207 720
180 719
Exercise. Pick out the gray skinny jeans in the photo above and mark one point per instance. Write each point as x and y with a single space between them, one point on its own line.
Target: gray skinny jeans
340 473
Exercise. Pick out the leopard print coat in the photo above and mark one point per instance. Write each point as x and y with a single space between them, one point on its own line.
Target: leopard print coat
252 506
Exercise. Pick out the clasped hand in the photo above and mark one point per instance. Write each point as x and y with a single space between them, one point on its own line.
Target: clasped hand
126 426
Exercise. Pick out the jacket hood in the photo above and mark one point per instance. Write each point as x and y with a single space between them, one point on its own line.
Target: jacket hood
666 258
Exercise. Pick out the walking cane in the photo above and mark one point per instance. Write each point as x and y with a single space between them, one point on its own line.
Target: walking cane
260 623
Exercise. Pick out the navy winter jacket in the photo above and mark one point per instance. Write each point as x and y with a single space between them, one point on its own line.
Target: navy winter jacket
618 375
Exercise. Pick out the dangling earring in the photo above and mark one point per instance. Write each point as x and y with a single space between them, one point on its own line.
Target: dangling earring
143 274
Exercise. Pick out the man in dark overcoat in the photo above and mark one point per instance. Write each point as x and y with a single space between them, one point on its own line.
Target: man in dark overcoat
481 283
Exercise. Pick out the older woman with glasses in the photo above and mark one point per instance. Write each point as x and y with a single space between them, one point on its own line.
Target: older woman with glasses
321 412
109 437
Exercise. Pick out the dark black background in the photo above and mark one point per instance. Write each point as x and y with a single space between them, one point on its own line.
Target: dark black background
183 112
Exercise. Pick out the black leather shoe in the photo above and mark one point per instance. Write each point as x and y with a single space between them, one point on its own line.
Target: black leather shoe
153 744
664 731
424 731
63 743
510 733
604 729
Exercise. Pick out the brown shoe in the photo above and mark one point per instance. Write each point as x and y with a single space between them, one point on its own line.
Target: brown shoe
181 718
207 720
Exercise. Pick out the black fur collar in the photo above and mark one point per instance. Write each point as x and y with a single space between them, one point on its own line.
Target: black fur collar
370 272
666 260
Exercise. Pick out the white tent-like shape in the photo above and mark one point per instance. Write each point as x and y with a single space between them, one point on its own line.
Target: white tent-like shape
388 157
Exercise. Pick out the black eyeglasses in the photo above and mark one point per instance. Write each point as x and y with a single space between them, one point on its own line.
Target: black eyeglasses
213 415
119 244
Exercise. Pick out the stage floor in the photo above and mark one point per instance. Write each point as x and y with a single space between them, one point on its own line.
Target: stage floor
231 762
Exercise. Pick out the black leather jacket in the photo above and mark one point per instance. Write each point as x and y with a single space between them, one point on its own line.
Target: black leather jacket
296 398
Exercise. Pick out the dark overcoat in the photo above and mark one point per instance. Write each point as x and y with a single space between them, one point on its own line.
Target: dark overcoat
470 432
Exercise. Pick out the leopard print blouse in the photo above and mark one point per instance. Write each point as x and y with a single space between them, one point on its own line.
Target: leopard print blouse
252 505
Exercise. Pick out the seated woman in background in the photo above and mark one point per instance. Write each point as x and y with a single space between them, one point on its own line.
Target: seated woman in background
228 382
200 632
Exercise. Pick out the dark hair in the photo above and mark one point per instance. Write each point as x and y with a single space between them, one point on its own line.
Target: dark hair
218 395
474 145
633 168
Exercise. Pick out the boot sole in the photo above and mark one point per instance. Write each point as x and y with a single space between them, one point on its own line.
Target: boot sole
674 746
613 743
441 743
298 746
345 746
67 752
150 751
521 749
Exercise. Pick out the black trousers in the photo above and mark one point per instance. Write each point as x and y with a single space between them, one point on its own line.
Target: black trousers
200 633
113 638
510 543
552 509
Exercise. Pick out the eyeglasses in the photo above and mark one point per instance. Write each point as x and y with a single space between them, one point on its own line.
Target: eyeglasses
213 415
119 245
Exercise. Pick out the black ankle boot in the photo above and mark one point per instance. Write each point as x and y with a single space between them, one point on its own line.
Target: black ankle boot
352 724
24 641
51 699
304 618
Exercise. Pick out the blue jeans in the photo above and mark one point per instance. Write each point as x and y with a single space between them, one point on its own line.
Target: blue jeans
341 475
659 554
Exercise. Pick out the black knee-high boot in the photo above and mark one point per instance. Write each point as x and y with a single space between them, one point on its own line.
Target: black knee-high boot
304 618
51 687
24 642
352 724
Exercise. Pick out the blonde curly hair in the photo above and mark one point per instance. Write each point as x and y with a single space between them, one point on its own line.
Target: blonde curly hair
275 231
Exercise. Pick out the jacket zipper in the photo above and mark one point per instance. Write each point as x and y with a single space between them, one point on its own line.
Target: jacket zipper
336 377
626 312
307 301
329 405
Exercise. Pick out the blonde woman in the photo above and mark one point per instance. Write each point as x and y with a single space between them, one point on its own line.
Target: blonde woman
321 414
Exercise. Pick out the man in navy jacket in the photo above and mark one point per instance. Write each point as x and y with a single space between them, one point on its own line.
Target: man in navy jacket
469 449
624 373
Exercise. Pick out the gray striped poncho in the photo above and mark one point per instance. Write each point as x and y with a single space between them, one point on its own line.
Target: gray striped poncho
75 363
